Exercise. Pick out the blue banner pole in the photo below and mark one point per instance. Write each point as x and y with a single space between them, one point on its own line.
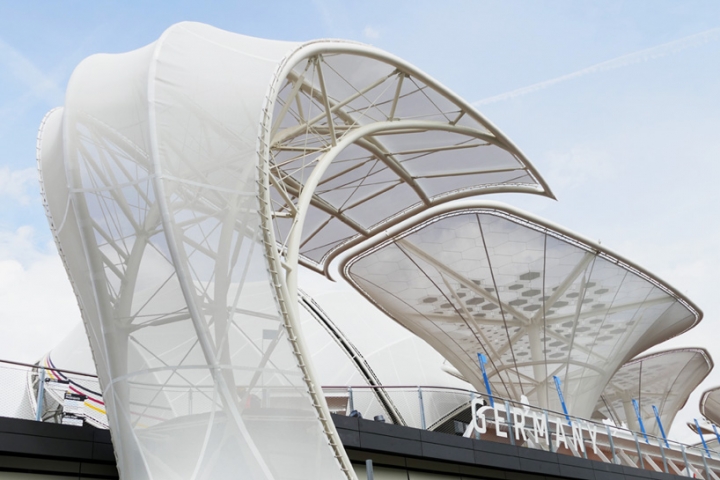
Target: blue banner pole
636 406
483 359
662 430
717 435
697 425
562 398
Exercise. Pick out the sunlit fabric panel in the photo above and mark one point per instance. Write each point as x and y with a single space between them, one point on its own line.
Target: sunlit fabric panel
356 349
538 303
335 94
150 179
663 380
710 405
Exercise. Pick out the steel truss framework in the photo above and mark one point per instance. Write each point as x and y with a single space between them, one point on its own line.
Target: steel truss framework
663 380
359 140
344 157
182 224
539 301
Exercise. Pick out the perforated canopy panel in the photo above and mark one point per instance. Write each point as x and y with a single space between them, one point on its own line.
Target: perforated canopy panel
664 380
710 405
538 302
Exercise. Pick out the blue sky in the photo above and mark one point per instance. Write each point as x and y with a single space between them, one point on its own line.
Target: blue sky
623 120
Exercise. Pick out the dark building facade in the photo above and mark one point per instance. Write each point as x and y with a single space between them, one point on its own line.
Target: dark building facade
42 451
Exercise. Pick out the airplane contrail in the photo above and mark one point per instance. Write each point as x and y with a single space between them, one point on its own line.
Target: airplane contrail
619 62
37 82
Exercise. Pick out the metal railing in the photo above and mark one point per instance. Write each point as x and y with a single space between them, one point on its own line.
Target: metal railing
450 410
49 394
46 393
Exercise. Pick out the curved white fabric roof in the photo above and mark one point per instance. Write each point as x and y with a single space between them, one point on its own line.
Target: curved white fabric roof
150 177
363 349
710 405
171 177
408 143
664 380
538 301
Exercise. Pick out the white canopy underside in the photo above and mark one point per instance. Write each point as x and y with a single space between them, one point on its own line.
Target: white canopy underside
710 405
664 380
536 301
423 146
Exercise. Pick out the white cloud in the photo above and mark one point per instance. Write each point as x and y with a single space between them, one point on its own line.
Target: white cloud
37 304
572 169
19 66
18 186
371 32
333 16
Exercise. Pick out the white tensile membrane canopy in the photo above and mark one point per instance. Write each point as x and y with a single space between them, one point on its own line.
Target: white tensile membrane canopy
355 347
710 405
663 380
172 175
390 142
539 302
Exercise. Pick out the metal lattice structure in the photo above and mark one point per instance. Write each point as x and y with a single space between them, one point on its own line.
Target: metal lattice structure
663 380
539 301
371 140
185 183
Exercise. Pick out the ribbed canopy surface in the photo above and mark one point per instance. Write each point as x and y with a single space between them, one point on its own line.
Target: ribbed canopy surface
539 303
426 146
664 380
710 405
